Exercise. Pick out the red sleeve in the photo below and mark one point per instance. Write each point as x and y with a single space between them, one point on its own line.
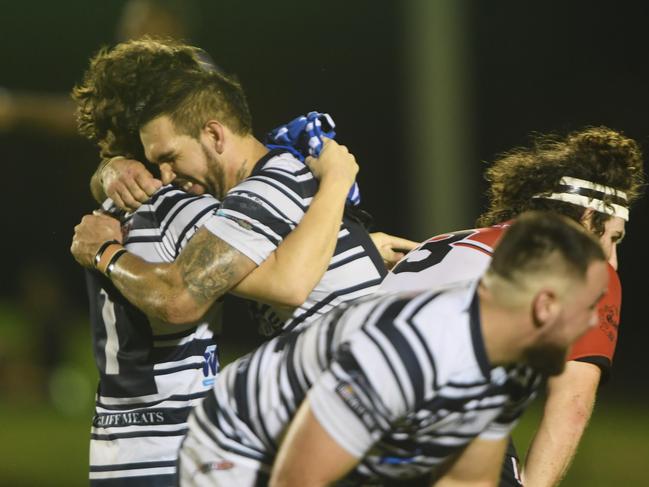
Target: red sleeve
598 345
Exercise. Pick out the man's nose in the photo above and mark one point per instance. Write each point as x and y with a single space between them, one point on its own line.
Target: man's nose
167 175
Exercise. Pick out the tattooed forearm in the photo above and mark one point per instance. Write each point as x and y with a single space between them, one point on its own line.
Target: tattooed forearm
182 291
210 267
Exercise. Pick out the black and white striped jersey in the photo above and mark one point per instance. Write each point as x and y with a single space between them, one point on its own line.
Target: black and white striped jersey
150 373
399 380
259 212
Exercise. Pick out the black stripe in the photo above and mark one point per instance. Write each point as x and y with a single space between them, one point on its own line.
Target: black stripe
252 196
137 434
191 224
131 466
171 370
211 412
279 186
476 337
155 418
594 194
161 192
346 260
257 213
402 347
291 324
259 166
387 361
304 189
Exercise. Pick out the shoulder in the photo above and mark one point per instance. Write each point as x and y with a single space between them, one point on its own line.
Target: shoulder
445 258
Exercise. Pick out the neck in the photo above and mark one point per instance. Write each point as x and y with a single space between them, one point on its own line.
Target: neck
251 150
503 329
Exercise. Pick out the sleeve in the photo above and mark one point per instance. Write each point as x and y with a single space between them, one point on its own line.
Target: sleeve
166 223
365 389
598 345
190 216
257 214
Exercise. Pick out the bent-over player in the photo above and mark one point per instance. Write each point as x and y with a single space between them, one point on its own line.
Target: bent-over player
404 385
591 176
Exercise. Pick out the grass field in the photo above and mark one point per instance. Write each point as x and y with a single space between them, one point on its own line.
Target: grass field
41 448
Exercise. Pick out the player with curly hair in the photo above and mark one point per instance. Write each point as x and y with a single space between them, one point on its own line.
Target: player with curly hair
591 176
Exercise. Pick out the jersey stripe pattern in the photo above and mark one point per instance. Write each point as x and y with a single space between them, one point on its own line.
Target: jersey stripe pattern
151 373
258 214
401 381
466 254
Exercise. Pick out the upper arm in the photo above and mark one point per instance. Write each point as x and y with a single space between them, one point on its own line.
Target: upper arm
309 455
478 464
598 345
209 267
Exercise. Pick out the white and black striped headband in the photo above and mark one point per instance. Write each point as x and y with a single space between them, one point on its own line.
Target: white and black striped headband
590 195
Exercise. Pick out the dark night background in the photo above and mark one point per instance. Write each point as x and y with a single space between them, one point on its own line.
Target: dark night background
532 67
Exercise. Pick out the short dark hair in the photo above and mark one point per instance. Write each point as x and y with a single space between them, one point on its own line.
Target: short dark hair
136 81
596 154
538 238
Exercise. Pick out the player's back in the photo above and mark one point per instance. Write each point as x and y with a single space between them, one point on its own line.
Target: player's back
445 259
151 373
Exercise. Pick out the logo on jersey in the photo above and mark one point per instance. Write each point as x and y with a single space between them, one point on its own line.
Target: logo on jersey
609 321
210 366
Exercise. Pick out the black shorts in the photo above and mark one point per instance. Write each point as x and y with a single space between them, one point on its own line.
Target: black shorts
510 474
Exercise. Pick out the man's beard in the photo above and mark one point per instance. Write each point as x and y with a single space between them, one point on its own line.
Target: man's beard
548 359
216 185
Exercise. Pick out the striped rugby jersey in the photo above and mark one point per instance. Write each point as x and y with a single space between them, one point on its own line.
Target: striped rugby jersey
259 212
150 373
401 381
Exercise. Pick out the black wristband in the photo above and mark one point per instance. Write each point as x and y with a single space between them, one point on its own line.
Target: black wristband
113 260
102 248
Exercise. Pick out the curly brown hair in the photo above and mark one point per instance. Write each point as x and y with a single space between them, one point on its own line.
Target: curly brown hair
136 81
597 154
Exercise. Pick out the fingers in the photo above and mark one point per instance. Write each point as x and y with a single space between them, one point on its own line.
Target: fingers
401 243
128 183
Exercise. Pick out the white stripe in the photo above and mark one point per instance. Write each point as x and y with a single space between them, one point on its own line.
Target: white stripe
112 340
133 473
592 203
582 183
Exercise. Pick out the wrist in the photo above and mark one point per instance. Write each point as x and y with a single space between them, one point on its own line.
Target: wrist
104 165
107 256
335 183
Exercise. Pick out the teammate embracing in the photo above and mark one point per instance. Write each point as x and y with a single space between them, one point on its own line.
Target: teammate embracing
592 176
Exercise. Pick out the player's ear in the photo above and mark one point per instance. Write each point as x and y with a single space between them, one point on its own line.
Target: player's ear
546 308
214 132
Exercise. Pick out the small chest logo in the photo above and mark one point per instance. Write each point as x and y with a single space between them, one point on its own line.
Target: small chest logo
210 366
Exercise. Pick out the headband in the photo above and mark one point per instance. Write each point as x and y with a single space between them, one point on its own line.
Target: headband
590 195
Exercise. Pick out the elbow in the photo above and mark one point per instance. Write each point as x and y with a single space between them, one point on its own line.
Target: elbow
294 297
180 310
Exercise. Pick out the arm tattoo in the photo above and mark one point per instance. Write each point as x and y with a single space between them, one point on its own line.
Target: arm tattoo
209 267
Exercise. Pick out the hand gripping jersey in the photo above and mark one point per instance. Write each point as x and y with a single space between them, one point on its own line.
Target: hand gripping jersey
261 211
401 381
150 373
466 254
